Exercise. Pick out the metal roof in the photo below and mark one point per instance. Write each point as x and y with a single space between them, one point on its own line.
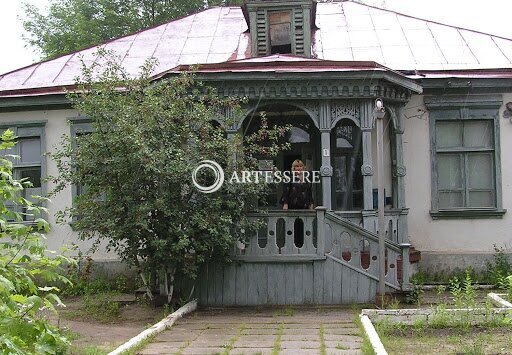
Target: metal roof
347 31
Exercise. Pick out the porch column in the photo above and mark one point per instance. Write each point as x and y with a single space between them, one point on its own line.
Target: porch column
326 168
367 167
399 172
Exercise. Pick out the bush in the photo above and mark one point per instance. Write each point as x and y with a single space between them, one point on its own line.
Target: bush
26 271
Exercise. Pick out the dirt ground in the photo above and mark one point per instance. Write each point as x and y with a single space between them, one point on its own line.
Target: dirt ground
90 336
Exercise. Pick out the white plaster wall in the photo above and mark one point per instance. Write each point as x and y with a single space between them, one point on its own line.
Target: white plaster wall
457 235
56 125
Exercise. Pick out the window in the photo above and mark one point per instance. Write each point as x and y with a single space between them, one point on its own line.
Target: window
465 159
280 32
346 160
79 127
29 163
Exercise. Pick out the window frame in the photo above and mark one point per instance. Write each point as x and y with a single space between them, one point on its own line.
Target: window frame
78 124
465 109
27 129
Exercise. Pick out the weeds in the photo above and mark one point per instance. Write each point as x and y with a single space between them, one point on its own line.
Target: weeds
323 347
287 311
499 269
277 343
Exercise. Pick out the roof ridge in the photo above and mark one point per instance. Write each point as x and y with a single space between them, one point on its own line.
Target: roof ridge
423 19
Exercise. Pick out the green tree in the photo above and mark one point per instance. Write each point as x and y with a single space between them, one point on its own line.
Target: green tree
137 165
71 25
25 271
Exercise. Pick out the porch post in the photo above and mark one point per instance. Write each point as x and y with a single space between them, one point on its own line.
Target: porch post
367 168
399 172
326 168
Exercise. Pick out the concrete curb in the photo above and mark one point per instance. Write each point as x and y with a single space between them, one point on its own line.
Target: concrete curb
378 348
159 327
496 299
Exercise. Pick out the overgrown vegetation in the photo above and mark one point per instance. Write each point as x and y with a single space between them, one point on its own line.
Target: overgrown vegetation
136 170
27 273
499 269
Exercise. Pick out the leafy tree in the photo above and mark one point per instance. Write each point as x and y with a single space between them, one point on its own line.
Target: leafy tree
71 25
25 270
137 165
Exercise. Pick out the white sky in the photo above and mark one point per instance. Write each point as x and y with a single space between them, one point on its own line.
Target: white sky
491 16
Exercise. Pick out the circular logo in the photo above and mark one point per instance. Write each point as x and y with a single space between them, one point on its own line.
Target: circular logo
217 170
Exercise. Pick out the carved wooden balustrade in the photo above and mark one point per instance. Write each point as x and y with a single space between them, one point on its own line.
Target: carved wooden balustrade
301 235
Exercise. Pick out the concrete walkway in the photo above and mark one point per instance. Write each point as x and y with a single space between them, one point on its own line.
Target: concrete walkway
269 331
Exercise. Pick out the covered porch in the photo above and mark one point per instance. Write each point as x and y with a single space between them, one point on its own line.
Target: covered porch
331 105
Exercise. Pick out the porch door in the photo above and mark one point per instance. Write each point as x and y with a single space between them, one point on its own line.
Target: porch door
346 161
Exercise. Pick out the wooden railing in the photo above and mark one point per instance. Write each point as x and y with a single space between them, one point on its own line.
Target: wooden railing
395 222
284 236
303 235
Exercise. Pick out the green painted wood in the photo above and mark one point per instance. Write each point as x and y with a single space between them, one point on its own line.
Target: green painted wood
308 283
363 289
281 277
337 284
318 282
328 279
229 285
289 283
211 284
272 285
219 280
203 285
262 284
298 290
354 286
345 283
242 280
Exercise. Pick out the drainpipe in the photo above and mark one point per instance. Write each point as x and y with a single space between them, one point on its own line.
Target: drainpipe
379 113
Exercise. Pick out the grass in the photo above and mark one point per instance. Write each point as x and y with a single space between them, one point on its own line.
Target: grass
277 342
229 346
287 311
99 307
323 348
366 346
136 349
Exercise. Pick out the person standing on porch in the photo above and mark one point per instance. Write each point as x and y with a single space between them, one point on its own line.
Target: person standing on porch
298 193
298 196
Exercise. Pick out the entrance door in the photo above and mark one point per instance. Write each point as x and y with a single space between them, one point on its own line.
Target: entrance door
346 160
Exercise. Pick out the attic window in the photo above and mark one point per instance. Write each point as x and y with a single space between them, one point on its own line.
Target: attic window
280 32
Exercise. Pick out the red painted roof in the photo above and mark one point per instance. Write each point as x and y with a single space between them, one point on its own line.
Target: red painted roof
347 31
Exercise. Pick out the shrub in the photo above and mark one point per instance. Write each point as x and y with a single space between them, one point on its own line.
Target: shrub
26 271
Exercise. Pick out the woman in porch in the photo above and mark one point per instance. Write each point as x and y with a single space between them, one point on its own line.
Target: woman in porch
298 195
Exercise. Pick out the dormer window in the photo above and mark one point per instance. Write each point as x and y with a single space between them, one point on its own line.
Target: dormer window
280 27
280 32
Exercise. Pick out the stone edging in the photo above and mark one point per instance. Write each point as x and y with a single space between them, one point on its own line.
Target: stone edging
408 316
159 327
498 300
372 335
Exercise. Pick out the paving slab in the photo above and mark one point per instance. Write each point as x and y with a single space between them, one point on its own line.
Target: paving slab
257 331
291 344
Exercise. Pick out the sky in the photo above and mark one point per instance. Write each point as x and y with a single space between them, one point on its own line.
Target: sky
490 16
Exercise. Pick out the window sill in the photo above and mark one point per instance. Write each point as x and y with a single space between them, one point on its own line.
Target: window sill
468 213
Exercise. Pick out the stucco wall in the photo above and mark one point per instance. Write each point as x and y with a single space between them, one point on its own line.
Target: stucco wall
458 235
56 125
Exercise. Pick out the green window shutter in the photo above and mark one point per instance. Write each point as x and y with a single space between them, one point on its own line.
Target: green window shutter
298 29
262 33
